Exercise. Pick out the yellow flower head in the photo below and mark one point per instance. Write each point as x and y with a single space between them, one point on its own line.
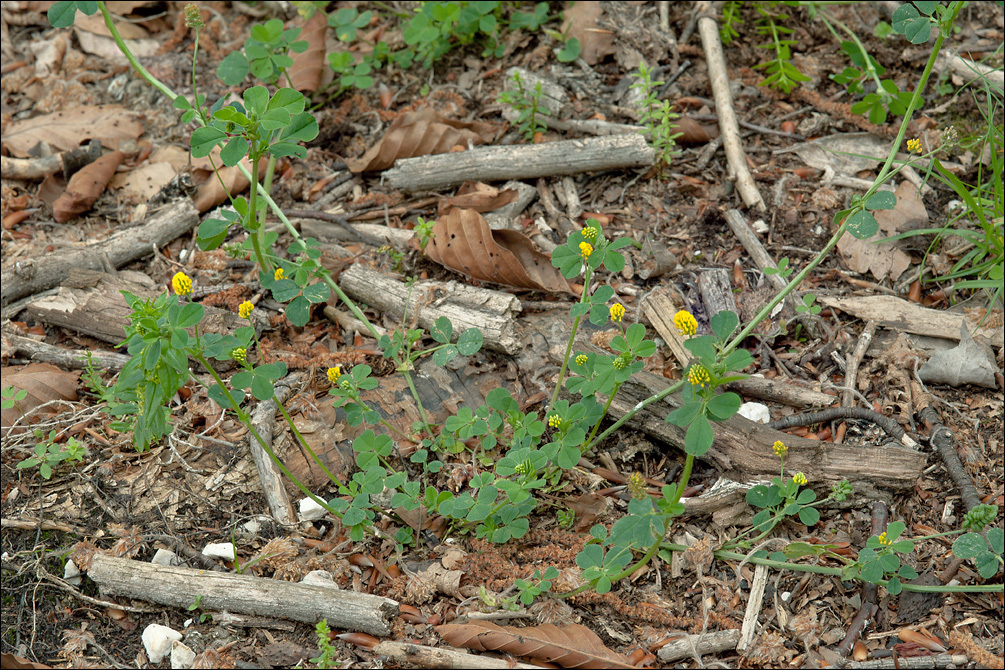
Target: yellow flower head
279 274
334 373
800 479
637 486
181 283
617 311
620 363
882 539
244 309
192 17
698 376
685 323
914 145
240 355
779 448
586 249
589 233
582 359
554 421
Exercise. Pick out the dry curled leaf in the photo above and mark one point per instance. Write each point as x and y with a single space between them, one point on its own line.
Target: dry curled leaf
69 129
85 187
581 22
308 67
692 132
43 383
570 646
420 133
479 197
463 241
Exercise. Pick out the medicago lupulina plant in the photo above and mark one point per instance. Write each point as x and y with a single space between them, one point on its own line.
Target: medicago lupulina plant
518 455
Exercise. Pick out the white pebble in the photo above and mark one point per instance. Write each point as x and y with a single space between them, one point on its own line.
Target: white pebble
165 557
755 411
224 550
310 510
71 573
321 578
157 641
181 656
760 227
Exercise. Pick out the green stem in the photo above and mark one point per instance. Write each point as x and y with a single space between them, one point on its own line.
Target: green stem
418 401
633 411
256 241
572 338
596 426
303 442
245 419
270 171
130 57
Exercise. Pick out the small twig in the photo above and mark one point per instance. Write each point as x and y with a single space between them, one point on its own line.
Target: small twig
750 126
890 426
942 438
339 220
855 359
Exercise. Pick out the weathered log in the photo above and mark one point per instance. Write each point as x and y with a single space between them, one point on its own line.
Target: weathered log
486 164
61 357
243 594
29 276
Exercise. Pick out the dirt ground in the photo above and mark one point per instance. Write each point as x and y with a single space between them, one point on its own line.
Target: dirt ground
201 486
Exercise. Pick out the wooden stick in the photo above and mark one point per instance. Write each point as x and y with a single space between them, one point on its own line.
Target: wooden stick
749 627
405 654
592 154
730 129
243 594
707 643
61 357
263 419
28 276
854 360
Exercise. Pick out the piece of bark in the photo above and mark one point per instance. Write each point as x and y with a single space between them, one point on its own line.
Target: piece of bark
715 286
660 309
911 662
90 302
66 162
422 656
66 359
754 603
493 312
742 450
262 419
243 594
748 238
900 315
567 157
27 276
707 643
778 390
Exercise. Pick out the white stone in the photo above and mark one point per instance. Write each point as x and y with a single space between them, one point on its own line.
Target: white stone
157 641
321 578
755 411
310 510
71 573
181 656
224 550
165 557
760 227
252 527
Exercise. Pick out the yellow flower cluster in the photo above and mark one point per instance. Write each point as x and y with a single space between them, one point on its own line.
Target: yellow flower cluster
685 323
582 359
586 249
779 448
800 479
698 376
334 373
181 283
617 311
554 421
240 355
883 540
620 363
914 145
589 233
193 19
244 309
279 274
637 486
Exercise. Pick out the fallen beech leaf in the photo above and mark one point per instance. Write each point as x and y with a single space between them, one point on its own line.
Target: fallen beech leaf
43 383
69 129
85 187
420 133
477 196
693 132
587 508
308 67
919 638
18 663
886 259
364 640
463 241
859 652
571 646
581 23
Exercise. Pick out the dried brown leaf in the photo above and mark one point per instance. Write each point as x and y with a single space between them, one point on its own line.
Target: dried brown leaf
308 66
69 129
463 241
477 196
43 383
570 646
85 187
886 259
581 22
420 133
693 132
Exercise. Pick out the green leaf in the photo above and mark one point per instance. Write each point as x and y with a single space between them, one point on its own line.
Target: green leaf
204 140
236 149
987 565
684 415
298 311
881 200
723 406
738 360
63 14
723 324
894 586
996 538
862 225
256 100
910 24
212 233
288 99
570 51
279 149
191 314
699 436
470 342
809 516
233 69
317 293
969 545
442 330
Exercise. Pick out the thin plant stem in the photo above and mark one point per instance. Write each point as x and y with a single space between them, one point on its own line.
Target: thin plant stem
572 338
303 442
